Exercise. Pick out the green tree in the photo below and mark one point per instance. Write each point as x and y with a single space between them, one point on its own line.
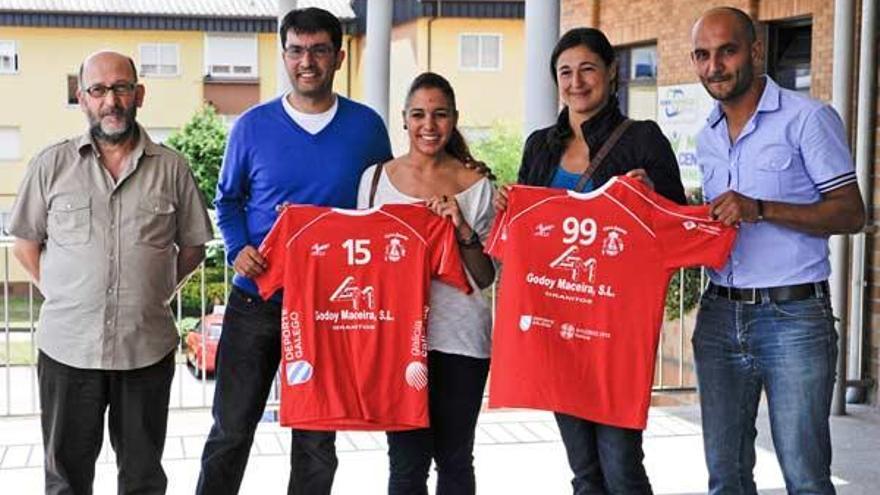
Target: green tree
202 141
501 151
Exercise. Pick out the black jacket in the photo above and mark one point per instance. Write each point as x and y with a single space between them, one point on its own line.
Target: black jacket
643 145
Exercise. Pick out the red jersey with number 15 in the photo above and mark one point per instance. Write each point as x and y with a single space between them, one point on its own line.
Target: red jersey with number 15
582 292
356 282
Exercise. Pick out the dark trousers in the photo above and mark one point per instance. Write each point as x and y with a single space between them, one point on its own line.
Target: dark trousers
455 393
247 361
73 402
603 458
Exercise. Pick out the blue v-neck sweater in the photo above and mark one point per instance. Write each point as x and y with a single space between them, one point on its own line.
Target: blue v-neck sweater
270 160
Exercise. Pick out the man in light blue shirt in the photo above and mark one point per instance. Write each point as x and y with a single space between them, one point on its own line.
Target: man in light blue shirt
777 164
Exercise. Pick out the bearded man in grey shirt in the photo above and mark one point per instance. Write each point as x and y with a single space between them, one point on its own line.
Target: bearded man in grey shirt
107 224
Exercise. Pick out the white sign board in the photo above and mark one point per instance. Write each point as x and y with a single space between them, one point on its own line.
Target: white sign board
681 113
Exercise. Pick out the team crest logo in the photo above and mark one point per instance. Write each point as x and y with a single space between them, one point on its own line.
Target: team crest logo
394 247
613 245
525 322
579 268
417 375
543 230
566 331
360 297
298 372
319 249
689 225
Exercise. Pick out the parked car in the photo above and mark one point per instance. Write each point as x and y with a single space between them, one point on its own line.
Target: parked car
201 342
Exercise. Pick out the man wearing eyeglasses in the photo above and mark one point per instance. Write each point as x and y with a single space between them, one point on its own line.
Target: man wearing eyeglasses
309 146
107 224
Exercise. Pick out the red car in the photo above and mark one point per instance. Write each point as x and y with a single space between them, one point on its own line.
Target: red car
201 347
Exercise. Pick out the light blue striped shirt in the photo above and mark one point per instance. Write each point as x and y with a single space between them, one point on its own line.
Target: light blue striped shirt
793 149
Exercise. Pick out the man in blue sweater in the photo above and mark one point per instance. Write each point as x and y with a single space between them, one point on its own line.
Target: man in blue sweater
308 147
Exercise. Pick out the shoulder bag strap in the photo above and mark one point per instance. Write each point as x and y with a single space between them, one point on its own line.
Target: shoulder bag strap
603 152
374 184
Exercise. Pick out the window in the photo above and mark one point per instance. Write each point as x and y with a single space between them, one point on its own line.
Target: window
788 54
159 59
637 81
10 143
479 51
72 86
8 57
231 55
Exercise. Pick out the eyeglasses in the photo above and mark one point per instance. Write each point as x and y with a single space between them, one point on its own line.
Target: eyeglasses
118 89
296 52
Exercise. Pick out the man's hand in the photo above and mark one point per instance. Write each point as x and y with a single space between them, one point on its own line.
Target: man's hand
732 208
249 263
641 175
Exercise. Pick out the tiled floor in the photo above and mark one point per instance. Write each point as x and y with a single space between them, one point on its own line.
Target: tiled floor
517 452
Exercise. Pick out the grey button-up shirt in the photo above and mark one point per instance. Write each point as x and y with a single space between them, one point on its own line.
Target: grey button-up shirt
108 268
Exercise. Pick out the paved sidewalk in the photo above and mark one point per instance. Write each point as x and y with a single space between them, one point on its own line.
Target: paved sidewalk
517 452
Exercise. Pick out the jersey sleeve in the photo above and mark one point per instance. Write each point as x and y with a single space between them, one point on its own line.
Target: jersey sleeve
688 236
497 238
444 256
273 251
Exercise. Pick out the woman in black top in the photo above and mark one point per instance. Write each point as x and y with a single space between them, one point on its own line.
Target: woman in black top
603 458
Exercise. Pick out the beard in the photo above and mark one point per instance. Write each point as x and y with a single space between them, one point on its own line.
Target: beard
742 78
114 136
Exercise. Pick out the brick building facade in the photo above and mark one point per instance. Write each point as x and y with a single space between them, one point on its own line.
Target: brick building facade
666 24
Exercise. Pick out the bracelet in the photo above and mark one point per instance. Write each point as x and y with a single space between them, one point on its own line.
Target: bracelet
760 204
471 241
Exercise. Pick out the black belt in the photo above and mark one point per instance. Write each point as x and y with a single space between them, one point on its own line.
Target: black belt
775 294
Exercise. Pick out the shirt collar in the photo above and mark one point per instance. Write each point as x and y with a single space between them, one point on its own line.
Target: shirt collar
769 102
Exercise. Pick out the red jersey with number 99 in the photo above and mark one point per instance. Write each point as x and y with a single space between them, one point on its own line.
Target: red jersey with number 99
356 290
582 292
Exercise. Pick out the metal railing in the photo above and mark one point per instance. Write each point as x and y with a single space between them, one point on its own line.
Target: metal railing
193 389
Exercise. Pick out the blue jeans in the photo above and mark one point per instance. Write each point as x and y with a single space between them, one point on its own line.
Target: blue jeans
455 393
604 459
788 350
247 359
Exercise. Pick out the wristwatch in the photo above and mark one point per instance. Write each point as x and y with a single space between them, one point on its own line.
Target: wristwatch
471 241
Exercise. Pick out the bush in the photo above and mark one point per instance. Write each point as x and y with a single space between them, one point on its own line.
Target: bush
191 294
202 141
691 292
502 152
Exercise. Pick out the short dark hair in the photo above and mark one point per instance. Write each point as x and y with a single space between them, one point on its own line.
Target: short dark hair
82 67
591 38
311 20
744 20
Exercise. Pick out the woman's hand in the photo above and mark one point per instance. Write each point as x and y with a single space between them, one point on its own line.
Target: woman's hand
640 174
447 206
500 200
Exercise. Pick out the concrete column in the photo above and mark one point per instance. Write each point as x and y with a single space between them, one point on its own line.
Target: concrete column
282 82
864 145
377 56
841 99
542 32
